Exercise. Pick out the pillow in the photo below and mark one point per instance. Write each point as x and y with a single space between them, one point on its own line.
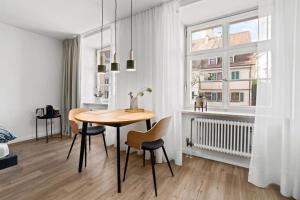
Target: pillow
6 136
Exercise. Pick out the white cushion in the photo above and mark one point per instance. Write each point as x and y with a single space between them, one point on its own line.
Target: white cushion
4 151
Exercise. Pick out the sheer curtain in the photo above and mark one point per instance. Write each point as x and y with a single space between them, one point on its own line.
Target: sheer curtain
276 142
158 49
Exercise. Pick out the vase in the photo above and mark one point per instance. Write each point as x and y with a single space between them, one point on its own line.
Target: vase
134 103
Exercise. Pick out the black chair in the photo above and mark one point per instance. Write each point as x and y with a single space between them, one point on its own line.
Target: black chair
91 131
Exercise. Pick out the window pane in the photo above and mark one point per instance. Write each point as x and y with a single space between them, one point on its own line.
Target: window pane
242 93
210 38
103 80
206 80
264 65
243 66
243 32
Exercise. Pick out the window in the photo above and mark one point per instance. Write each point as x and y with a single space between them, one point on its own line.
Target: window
103 80
213 96
243 31
235 75
206 78
231 59
237 97
213 76
212 61
223 65
209 38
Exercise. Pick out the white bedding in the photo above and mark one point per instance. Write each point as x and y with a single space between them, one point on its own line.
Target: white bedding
4 151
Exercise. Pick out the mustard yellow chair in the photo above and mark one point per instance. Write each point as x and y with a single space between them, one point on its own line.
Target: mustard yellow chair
150 140
91 131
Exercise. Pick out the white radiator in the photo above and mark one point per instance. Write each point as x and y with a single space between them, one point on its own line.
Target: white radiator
231 137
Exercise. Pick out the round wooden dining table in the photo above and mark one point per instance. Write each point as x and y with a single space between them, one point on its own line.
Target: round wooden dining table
114 118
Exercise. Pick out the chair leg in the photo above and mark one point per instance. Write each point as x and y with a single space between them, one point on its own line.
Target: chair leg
71 146
167 160
104 142
153 171
85 150
126 163
144 158
89 143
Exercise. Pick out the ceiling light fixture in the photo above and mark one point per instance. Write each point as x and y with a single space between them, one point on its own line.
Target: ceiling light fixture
130 63
115 67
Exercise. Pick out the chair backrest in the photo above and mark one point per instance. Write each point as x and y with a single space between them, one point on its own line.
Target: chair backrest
73 122
159 130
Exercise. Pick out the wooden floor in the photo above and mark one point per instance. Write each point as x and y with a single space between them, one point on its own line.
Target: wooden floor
44 173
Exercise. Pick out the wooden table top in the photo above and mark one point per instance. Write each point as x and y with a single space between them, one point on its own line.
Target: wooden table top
112 117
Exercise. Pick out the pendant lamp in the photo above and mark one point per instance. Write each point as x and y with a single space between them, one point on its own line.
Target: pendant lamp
115 66
130 62
102 66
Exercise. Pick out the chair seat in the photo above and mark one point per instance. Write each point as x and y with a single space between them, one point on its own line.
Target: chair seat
94 130
153 145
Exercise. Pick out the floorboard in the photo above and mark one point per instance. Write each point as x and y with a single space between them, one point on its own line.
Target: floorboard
43 173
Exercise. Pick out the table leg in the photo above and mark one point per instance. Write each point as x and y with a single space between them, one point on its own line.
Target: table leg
51 126
82 145
36 128
148 124
118 160
46 131
60 127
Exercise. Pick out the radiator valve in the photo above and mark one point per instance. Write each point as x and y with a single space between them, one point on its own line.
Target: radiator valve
189 142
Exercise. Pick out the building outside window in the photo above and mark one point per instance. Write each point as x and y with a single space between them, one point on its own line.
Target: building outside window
222 61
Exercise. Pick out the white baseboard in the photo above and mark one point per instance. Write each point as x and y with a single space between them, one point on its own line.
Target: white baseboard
32 136
220 157
22 139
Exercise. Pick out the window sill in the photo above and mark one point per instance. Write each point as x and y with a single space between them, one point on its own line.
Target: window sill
218 113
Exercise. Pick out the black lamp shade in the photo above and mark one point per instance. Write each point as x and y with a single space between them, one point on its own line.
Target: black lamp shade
130 65
115 67
102 69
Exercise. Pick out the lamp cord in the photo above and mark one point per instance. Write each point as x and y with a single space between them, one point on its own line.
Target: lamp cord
102 27
116 6
131 27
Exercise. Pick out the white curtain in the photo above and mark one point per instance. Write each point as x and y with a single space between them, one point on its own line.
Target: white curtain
158 49
276 142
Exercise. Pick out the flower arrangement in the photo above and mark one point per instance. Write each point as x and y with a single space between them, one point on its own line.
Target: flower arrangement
134 99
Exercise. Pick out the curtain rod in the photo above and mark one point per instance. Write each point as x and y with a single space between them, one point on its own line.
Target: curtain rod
107 26
226 16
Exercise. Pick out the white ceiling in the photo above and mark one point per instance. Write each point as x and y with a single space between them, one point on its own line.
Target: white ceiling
64 18
94 41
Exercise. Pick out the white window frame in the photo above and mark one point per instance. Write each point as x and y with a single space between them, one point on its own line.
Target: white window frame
225 52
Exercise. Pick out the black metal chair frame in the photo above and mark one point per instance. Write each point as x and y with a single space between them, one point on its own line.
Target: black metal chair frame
74 139
153 162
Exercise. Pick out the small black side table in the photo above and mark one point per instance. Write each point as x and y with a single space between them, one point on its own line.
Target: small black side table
46 118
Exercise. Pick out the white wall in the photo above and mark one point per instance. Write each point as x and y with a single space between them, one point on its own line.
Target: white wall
30 77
